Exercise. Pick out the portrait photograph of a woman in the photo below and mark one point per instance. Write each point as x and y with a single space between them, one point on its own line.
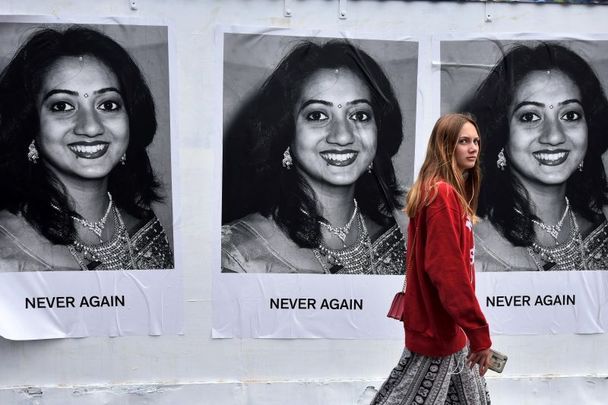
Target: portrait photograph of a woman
84 149
318 146
542 112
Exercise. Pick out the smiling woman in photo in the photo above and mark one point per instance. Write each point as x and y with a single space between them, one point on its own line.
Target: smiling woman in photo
324 125
545 117
77 184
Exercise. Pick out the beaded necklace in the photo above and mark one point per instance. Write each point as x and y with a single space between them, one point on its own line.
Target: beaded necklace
554 230
97 226
115 254
569 255
341 231
355 259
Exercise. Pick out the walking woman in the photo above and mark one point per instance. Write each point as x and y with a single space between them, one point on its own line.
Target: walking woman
446 335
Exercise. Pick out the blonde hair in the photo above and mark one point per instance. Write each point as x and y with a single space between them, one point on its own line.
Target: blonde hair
440 165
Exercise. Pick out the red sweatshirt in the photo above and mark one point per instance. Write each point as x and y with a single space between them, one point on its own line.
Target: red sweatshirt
441 308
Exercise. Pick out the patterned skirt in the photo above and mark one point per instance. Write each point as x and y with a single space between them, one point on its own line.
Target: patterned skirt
426 380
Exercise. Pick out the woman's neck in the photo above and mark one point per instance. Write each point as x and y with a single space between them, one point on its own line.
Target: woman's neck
548 202
90 200
89 196
336 205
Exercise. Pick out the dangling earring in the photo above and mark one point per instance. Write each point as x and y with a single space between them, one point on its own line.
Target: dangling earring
370 167
123 159
580 166
32 153
501 162
287 161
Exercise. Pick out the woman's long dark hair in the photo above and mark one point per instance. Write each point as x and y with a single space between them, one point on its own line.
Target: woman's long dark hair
266 187
32 189
503 199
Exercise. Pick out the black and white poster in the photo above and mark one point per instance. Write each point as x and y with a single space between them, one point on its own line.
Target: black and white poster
87 245
542 238
543 112
318 145
295 154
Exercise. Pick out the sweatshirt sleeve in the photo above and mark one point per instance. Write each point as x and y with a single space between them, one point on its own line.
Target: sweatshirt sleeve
449 269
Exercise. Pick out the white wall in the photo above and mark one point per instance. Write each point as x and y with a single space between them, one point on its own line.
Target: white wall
193 368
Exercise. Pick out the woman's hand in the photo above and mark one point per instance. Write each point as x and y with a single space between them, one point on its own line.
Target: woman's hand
481 358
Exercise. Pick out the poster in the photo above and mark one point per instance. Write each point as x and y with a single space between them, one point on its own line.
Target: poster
87 245
546 276
329 121
541 243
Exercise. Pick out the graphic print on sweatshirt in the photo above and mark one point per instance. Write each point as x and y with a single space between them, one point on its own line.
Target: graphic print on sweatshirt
469 225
